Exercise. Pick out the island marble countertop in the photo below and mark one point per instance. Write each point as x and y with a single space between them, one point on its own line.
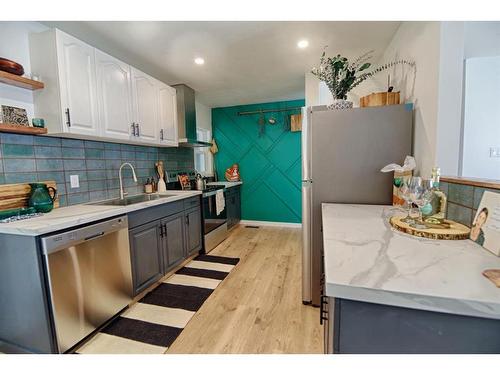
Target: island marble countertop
71 216
227 184
367 260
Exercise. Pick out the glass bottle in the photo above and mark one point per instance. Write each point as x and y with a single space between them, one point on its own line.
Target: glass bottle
438 200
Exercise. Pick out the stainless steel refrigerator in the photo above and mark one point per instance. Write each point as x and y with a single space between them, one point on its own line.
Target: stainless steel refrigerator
342 154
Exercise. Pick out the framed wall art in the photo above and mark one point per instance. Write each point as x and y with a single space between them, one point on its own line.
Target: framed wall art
14 116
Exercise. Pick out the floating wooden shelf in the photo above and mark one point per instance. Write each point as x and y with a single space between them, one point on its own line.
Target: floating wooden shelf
18 81
19 129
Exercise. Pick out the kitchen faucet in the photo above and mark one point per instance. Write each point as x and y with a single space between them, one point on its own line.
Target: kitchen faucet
122 192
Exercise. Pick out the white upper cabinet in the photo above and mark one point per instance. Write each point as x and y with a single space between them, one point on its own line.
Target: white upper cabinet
89 94
67 65
145 98
76 61
168 115
114 97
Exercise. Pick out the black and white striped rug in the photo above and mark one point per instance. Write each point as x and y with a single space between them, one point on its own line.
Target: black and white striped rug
152 324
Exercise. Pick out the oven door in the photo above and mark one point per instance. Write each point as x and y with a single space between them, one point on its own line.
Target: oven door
211 219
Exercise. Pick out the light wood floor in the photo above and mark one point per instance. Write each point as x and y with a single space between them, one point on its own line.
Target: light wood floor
258 307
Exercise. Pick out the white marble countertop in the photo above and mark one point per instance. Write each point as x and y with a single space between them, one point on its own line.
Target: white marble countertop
367 260
71 216
227 184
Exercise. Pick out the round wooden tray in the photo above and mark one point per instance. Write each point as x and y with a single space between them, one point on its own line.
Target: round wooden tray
456 231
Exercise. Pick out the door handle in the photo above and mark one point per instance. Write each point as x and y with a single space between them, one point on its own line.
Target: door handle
68 118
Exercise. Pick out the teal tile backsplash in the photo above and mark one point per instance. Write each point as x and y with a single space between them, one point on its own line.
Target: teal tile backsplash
463 201
26 158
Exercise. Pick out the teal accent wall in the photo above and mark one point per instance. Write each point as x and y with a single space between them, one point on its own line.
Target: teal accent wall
270 164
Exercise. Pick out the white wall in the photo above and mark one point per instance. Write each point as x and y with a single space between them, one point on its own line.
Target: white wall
14 45
481 117
482 39
450 99
420 42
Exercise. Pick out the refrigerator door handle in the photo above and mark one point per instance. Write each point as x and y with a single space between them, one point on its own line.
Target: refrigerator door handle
306 242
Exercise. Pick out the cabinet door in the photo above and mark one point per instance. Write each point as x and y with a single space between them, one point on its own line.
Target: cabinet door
168 115
76 61
238 205
146 255
174 240
145 102
193 231
114 96
231 208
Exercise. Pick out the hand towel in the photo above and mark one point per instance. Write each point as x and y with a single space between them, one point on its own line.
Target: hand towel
220 202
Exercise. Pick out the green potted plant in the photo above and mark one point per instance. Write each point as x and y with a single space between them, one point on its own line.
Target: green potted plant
341 76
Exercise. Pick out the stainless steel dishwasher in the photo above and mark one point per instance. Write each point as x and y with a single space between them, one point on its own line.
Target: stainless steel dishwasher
90 277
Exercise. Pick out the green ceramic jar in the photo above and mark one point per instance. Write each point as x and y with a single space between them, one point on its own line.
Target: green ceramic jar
40 198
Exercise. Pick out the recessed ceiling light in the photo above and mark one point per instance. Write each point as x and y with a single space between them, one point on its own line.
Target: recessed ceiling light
199 61
302 43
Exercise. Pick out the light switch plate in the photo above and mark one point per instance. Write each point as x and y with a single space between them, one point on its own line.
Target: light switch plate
74 181
494 152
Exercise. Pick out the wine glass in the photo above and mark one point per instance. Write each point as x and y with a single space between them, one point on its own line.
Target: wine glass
404 191
423 199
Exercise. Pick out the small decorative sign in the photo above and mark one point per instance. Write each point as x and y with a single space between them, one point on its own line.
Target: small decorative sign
184 181
14 116
485 229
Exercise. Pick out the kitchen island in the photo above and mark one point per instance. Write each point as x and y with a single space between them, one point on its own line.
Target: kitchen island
389 292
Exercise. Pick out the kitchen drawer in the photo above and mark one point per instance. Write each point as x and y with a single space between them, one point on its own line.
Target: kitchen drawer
149 214
191 202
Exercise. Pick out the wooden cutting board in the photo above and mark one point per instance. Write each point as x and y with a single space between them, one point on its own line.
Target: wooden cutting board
456 231
17 195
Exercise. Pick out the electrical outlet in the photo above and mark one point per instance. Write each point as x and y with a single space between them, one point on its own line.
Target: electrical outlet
494 152
74 181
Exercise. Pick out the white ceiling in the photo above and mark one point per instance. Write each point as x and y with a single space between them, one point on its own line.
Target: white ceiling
245 62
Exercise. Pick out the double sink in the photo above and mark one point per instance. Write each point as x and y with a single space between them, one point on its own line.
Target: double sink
126 201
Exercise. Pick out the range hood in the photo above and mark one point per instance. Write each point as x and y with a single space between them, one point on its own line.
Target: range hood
186 118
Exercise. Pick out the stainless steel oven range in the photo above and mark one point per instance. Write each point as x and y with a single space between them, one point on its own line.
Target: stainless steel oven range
215 224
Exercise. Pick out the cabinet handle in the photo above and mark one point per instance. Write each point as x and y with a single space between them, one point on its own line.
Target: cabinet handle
165 229
137 129
68 118
133 129
161 231
322 310
161 134
187 219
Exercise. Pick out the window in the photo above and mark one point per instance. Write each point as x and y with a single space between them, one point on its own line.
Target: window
203 159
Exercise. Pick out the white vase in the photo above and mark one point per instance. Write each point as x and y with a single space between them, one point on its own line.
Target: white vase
340 104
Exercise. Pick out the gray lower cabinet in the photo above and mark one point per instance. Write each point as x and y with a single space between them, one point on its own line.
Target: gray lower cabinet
193 231
161 238
146 250
233 206
173 238
355 327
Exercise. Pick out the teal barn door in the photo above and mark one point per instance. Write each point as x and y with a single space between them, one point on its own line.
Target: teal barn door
269 159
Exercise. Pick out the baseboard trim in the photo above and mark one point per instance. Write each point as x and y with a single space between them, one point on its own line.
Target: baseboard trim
270 224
